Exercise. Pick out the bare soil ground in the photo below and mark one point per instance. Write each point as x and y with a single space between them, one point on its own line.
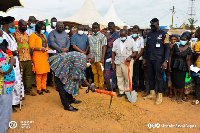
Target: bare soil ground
94 115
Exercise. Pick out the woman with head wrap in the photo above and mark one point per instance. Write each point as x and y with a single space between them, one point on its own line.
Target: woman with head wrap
179 64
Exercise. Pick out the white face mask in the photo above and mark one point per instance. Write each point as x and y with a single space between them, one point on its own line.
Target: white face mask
108 31
80 32
67 31
86 32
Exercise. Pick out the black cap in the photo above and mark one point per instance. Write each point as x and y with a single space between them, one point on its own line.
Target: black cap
154 20
187 35
7 20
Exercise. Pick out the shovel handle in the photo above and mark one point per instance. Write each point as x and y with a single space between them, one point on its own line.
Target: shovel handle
129 75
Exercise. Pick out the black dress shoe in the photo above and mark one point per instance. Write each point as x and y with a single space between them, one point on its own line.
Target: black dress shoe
120 95
71 108
76 101
14 110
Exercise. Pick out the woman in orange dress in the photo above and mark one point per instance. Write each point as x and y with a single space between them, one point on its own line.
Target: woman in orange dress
38 44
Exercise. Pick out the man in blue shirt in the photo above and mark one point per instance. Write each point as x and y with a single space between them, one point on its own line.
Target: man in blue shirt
80 41
31 25
156 56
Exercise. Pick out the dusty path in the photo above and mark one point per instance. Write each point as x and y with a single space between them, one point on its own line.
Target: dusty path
94 116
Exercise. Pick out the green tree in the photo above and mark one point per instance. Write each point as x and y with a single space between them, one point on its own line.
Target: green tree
192 21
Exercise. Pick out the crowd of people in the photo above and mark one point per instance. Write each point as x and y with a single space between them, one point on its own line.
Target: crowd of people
34 53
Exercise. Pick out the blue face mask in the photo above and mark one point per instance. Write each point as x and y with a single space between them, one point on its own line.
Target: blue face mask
134 35
32 25
42 31
54 24
11 30
195 39
183 42
1 27
122 38
1 40
177 43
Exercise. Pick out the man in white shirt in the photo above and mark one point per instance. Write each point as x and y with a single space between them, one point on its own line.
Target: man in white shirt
138 73
51 27
123 51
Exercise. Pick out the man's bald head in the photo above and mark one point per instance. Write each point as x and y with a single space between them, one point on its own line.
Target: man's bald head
59 27
22 25
21 21
123 32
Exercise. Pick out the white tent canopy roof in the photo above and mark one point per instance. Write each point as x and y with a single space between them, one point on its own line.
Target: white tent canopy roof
112 16
87 15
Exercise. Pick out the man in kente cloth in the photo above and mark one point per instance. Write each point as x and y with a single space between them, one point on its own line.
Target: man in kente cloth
69 70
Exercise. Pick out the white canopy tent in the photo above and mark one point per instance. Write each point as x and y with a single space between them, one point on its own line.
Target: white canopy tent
87 15
112 16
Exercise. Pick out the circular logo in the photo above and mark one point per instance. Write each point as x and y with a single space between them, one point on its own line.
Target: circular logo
158 125
13 124
149 125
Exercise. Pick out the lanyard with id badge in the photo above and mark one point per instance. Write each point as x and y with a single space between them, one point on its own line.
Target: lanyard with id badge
158 44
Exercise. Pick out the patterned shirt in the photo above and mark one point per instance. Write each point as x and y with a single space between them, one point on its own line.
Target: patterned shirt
96 43
22 45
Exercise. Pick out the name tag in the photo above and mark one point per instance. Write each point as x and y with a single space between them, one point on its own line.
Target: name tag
157 45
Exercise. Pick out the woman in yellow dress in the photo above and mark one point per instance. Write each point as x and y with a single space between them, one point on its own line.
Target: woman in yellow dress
38 44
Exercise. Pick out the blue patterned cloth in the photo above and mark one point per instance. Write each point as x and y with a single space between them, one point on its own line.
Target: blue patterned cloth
69 67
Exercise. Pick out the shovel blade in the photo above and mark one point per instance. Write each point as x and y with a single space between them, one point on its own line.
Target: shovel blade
131 95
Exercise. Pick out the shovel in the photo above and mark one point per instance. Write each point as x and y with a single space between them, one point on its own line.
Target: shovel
131 95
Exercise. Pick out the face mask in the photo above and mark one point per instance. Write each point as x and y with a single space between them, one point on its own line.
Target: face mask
22 29
54 24
32 25
177 43
195 39
86 32
183 42
153 28
1 40
11 30
1 27
80 32
88 64
122 38
42 31
67 31
108 31
60 30
134 35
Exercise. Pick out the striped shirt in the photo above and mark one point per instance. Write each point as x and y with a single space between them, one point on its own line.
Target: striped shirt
96 43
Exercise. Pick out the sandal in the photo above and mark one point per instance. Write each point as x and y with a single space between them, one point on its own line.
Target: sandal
170 95
195 102
46 91
40 92
173 99
180 101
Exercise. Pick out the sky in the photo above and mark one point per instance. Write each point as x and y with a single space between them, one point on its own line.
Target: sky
133 12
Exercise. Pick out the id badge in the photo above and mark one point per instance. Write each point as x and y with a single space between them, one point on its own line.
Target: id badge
157 45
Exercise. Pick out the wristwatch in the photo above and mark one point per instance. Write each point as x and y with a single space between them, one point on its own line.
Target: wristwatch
131 56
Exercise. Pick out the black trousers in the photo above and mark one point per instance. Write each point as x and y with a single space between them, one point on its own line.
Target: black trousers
155 73
50 78
65 97
138 76
197 88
